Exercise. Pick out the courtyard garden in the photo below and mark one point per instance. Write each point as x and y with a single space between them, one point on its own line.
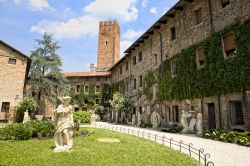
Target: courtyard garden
99 148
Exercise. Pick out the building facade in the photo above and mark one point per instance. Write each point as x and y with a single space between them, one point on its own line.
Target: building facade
92 85
194 58
13 75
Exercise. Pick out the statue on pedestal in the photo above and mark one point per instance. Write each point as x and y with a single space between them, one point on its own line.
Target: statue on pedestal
184 121
155 119
26 117
64 124
139 119
199 126
133 119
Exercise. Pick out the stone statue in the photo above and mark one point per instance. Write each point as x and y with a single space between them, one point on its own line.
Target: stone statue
139 119
64 124
133 119
184 122
199 126
26 117
155 119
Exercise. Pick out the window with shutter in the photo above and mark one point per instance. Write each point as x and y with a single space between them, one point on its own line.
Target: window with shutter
229 44
200 57
198 16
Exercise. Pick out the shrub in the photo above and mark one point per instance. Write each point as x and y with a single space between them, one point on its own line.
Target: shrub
82 133
20 131
15 131
241 138
28 103
83 117
41 128
175 129
145 125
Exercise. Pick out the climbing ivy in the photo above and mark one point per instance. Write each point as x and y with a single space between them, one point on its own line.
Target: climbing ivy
218 76
148 81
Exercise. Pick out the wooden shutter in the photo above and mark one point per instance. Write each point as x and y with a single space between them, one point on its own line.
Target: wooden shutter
229 42
198 14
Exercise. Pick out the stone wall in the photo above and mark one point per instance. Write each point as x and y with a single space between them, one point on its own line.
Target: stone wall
158 46
12 78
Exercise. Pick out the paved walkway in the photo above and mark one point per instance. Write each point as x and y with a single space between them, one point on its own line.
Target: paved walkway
222 154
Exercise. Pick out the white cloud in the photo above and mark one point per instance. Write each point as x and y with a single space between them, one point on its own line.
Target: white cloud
131 34
124 10
153 10
73 28
34 5
144 3
128 38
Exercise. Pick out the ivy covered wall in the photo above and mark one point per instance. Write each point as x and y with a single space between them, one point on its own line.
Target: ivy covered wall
218 76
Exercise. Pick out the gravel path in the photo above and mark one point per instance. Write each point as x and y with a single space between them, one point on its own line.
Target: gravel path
222 154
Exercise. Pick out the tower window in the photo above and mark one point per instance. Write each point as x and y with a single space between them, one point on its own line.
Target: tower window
229 44
173 33
198 16
106 42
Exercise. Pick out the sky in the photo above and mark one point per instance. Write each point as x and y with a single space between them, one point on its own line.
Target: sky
74 24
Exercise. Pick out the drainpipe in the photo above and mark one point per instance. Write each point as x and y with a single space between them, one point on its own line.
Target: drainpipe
211 16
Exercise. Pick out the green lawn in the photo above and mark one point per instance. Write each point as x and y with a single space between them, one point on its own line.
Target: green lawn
88 151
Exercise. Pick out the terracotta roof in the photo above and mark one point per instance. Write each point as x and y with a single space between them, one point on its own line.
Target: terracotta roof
86 74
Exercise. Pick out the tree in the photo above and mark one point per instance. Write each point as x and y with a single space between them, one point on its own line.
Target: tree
28 103
46 79
118 101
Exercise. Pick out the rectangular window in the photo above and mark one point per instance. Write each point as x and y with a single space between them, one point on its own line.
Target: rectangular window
140 81
237 116
140 56
134 60
175 114
97 88
126 65
85 101
78 87
229 45
224 3
97 101
198 16
86 89
127 86
134 83
173 33
134 110
140 110
106 78
156 59
5 107
98 78
173 68
12 61
121 70
200 57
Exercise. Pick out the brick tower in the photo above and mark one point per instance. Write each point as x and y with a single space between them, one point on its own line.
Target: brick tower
108 45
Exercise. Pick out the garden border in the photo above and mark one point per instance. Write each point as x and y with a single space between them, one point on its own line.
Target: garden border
198 154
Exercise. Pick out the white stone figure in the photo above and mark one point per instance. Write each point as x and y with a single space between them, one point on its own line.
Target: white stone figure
184 122
155 119
26 117
199 126
192 124
133 119
139 119
64 124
